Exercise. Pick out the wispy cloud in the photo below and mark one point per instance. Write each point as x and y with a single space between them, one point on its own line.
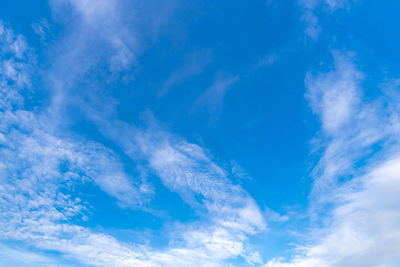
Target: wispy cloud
364 227
41 28
312 26
193 65
358 174
186 169
47 217
37 170
231 215
14 69
14 257
350 125
213 97
335 96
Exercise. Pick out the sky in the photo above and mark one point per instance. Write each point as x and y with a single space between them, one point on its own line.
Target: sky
199 133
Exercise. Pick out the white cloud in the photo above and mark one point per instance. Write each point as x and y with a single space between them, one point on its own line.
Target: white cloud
313 29
350 125
361 227
35 166
312 26
275 217
365 224
102 18
14 257
14 69
334 96
232 215
186 169
96 33
39 169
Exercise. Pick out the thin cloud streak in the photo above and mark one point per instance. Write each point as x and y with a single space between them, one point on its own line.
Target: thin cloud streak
212 99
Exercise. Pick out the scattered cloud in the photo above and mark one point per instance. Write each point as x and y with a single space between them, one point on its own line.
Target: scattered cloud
47 217
32 157
183 167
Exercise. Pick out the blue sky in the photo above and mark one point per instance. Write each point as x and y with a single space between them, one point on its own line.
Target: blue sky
199 133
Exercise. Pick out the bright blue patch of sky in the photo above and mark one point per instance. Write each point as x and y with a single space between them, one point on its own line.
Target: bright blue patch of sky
228 76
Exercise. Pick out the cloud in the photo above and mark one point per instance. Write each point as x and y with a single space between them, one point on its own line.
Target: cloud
14 70
313 29
358 174
103 19
332 4
37 170
335 95
48 217
267 60
19 257
350 125
184 168
99 39
308 8
41 28
365 226
193 65
275 217
229 213
96 33
213 97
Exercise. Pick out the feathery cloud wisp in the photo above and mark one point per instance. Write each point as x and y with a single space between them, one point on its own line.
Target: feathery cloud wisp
364 222
47 218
